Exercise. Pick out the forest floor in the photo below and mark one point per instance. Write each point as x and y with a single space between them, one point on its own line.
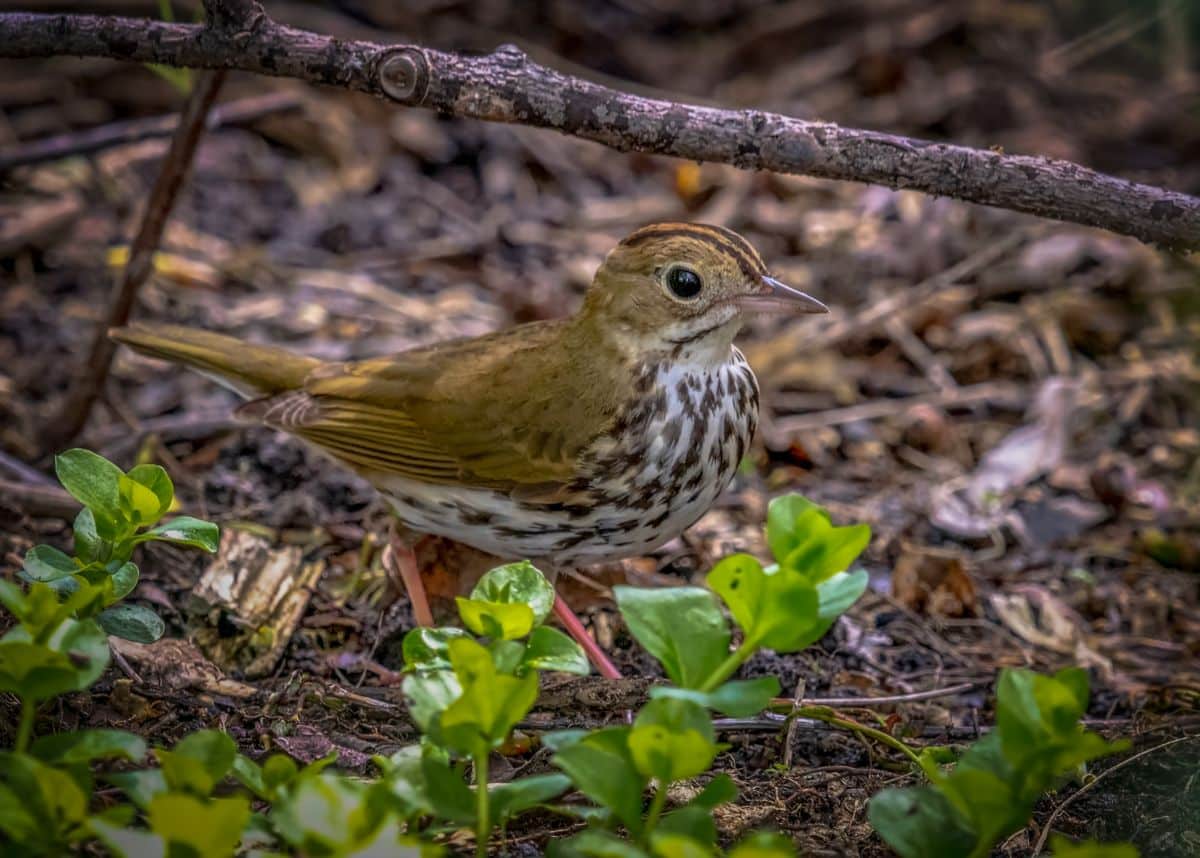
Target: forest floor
1011 404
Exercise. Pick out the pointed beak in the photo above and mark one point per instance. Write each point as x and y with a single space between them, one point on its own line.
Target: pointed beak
775 295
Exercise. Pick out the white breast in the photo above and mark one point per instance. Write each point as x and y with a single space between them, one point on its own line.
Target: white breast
670 456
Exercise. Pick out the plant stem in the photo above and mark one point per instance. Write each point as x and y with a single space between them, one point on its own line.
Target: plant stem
25 727
821 713
729 666
656 809
483 823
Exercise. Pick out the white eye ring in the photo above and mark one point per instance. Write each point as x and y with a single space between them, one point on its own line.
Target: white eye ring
683 282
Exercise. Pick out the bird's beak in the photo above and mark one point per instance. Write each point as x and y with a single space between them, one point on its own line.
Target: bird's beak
778 296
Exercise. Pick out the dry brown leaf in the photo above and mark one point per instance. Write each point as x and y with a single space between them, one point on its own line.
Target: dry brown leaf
934 581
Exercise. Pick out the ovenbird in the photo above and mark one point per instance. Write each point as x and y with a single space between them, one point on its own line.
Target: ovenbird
590 438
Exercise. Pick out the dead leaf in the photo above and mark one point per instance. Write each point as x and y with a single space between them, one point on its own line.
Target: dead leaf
1039 617
933 581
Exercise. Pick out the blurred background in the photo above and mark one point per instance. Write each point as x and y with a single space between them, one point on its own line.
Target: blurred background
1010 403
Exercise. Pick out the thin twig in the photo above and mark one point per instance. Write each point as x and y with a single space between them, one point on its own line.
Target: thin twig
786 704
841 329
22 471
987 391
508 86
241 112
176 166
37 500
1041 841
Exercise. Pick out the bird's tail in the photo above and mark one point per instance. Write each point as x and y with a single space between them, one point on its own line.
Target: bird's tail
248 369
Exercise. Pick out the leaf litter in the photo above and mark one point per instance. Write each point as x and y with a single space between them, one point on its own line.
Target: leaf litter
1010 404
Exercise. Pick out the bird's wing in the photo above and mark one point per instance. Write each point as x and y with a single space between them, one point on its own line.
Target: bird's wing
491 411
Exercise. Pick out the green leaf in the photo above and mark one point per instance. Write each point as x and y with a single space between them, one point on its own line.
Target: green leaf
802 537
738 699
601 767
550 649
88 544
72 659
519 583
13 598
250 775
128 842
1061 847
404 777
447 790
84 746
94 482
672 740
836 594
280 770
490 705
690 821
764 844
919 822
825 550
212 827
680 626
132 623
509 799
141 786
427 649
671 844
783 514
777 610
328 814
556 740
185 530
198 762
46 563
594 843
428 695
497 620
124 580
720 790
154 478
45 806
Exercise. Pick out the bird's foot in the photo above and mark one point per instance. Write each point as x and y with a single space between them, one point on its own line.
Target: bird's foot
401 564
575 629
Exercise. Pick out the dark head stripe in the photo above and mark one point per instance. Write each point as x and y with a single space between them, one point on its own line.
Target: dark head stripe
726 240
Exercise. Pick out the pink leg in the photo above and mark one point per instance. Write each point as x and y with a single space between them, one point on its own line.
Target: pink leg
576 630
400 561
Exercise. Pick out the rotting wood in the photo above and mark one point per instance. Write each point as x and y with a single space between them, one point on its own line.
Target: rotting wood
262 590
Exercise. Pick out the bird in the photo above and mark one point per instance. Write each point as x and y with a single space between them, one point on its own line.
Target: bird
567 442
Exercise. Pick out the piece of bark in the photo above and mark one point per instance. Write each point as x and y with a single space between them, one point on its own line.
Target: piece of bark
259 589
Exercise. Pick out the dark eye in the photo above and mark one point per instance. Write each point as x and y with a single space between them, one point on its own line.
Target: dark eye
684 282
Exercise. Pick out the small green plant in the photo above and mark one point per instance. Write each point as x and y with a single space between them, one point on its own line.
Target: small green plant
784 607
121 510
467 690
74 601
991 790
467 697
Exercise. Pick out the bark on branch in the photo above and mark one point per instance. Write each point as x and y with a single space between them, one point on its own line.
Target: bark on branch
506 86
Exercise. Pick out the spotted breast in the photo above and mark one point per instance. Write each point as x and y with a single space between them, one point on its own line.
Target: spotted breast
672 451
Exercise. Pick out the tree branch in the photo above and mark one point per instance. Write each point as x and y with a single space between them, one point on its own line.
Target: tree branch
506 86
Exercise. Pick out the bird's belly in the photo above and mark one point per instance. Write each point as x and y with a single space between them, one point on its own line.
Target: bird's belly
673 454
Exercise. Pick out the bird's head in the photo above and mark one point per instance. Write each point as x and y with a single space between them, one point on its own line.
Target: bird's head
681 284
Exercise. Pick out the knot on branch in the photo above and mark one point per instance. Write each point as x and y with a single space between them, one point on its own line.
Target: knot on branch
403 75
233 16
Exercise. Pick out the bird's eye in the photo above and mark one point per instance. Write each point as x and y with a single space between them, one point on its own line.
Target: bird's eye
684 282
